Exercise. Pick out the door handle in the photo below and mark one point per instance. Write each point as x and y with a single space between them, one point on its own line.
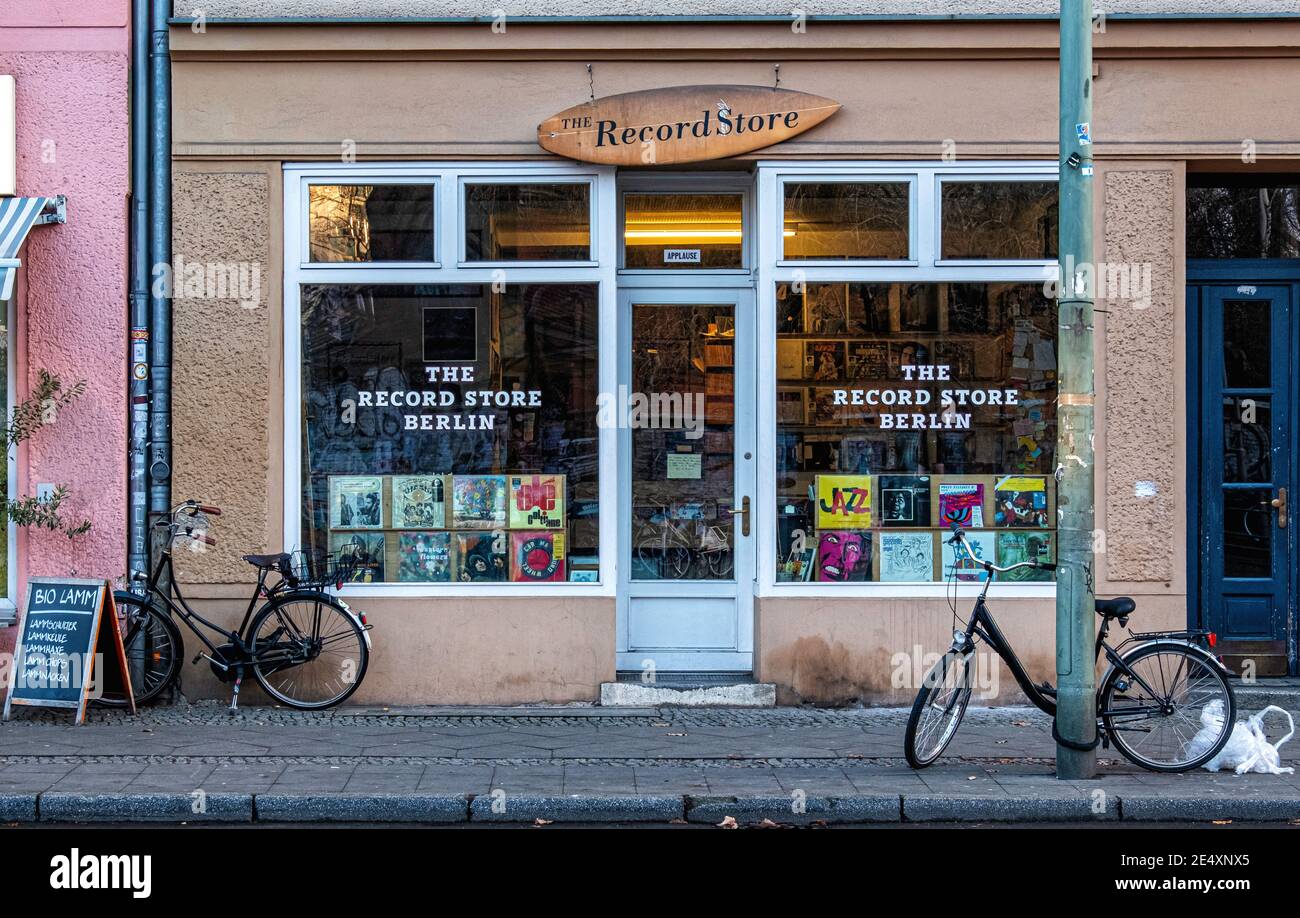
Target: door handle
1279 504
743 510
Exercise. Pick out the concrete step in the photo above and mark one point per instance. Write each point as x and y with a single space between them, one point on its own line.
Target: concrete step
740 693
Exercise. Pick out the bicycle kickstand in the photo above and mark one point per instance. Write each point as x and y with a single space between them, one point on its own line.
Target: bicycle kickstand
234 698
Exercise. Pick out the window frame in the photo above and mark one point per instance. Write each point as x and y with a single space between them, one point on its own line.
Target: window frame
366 179
970 178
667 183
513 177
850 178
448 233
774 270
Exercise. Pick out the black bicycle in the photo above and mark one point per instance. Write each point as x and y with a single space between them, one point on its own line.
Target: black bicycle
1149 703
306 649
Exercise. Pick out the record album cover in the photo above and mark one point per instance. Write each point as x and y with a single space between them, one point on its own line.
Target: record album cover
481 557
419 502
536 557
356 502
478 502
424 557
536 501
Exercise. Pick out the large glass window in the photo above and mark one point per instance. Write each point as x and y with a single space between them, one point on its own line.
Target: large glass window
1004 221
360 223
683 231
449 431
846 220
1230 217
903 408
548 221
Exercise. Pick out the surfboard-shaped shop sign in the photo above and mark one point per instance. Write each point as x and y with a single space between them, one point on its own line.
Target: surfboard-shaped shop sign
681 124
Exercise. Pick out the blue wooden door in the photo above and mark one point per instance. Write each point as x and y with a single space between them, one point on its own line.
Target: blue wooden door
1245 536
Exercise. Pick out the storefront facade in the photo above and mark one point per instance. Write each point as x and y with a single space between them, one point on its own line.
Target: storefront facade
64 184
582 418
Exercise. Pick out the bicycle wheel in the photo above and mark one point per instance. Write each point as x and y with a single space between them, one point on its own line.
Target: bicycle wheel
154 649
307 652
938 709
1174 713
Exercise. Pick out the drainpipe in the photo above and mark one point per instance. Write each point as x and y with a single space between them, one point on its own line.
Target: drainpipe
1076 699
138 356
160 255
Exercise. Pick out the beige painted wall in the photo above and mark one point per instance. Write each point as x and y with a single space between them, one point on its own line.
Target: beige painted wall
249 98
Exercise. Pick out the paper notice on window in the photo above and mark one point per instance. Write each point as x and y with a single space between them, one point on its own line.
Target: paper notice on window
684 465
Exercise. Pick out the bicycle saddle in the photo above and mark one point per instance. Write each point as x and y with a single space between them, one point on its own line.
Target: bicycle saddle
267 560
1118 607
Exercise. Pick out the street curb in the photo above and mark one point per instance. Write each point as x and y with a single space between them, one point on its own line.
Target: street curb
58 806
750 810
577 808
433 808
17 807
974 808
1150 808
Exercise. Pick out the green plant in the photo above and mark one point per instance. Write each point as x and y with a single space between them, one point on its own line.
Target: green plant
40 409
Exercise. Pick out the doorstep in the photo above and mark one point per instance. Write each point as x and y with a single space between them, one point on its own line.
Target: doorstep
700 690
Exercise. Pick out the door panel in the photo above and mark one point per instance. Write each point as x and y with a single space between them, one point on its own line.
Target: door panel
1245 542
686 465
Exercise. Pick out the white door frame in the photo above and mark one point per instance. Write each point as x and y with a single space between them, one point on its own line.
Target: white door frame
738 658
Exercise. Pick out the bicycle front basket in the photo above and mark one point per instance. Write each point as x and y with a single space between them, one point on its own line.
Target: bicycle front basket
313 567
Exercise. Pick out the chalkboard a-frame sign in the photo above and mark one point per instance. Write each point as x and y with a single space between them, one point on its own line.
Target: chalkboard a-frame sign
70 627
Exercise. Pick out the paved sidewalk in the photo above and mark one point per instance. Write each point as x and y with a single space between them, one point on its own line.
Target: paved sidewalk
589 764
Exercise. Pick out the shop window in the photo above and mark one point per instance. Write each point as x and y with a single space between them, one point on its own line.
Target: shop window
1003 221
371 223
683 231
903 408
450 431
548 221
1229 218
846 220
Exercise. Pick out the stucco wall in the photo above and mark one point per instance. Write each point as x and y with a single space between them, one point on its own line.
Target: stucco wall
842 651
463 651
1143 356
227 363
70 63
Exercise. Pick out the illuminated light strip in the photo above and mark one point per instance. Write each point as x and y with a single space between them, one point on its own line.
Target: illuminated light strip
673 234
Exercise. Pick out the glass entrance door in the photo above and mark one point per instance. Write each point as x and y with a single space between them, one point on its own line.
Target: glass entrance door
1246 532
686 481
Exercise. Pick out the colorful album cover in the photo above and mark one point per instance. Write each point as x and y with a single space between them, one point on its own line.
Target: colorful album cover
1021 501
823 360
906 557
478 502
356 502
905 500
843 501
961 503
424 557
364 553
536 501
481 557
1017 547
843 556
981 543
536 557
419 502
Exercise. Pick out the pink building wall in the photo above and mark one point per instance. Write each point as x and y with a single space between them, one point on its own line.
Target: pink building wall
70 60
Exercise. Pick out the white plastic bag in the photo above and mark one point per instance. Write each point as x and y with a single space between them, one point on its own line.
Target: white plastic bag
1248 748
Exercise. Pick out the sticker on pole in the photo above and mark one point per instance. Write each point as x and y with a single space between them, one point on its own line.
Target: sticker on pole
1084 133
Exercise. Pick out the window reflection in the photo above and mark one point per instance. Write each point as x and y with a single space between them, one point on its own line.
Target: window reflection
360 223
999 220
528 222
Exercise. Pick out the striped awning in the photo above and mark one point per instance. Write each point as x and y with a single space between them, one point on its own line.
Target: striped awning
17 216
